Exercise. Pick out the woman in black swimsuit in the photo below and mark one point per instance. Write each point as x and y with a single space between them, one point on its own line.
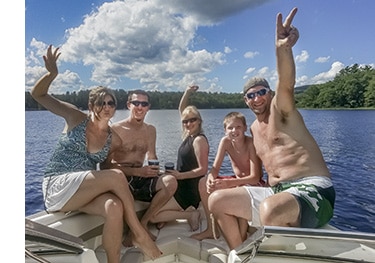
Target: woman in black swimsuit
192 164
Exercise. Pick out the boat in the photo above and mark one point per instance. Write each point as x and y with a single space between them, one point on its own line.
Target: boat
76 237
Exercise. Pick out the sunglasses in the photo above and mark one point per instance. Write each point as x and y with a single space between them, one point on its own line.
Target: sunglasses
142 103
189 120
110 103
260 93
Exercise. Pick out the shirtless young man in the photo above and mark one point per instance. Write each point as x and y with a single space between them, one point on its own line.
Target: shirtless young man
139 143
246 166
301 192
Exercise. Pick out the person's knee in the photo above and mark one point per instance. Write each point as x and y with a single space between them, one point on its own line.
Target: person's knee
214 202
114 209
266 212
170 184
118 177
278 214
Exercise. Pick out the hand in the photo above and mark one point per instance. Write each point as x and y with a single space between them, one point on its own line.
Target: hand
192 88
222 183
175 173
50 60
210 184
286 34
151 171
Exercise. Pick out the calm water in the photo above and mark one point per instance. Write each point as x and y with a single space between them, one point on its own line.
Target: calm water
346 138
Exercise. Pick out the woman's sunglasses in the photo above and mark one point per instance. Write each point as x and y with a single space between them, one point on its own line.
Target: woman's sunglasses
189 120
142 103
110 103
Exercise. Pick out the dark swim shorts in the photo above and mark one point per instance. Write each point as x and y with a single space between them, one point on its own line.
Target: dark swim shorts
142 188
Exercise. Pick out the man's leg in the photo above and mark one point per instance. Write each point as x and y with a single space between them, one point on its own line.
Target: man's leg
228 206
166 186
281 209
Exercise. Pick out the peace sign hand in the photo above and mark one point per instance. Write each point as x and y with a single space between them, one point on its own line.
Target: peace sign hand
286 34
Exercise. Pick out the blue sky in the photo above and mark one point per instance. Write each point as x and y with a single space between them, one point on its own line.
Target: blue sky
167 45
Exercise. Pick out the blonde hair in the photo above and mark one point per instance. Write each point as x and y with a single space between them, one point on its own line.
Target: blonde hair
191 110
232 116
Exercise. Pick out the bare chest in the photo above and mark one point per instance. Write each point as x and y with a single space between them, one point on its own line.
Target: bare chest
134 140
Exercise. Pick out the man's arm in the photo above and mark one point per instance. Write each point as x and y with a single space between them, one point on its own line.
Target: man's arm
286 37
151 145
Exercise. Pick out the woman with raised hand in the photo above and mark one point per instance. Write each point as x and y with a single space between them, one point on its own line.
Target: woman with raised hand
71 180
192 165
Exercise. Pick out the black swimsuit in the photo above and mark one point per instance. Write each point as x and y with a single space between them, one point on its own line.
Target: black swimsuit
187 193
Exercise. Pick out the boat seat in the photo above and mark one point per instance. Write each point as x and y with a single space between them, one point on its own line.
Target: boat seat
77 223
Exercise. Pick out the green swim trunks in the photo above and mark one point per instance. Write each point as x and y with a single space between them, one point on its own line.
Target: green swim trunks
316 197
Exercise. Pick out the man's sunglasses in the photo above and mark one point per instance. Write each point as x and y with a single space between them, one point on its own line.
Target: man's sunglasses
260 93
189 120
142 103
110 103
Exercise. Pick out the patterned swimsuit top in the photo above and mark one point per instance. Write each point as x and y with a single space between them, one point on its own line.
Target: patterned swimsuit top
71 153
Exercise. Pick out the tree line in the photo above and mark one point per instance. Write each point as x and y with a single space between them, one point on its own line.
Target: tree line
353 87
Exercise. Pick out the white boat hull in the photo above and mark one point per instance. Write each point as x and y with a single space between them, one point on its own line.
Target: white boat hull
76 237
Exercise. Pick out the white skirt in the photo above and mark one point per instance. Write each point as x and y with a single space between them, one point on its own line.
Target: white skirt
58 189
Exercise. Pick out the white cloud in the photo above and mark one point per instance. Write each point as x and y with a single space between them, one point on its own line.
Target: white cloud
303 57
329 75
227 50
148 41
263 72
250 70
302 80
251 54
210 11
322 59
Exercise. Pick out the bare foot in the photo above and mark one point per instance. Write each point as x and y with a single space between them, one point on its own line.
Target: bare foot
194 220
148 247
207 234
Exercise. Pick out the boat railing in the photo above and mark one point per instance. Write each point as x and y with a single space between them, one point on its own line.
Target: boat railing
285 238
320 234
43 240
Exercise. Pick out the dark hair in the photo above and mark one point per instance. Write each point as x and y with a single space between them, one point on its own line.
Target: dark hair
138 92
96 98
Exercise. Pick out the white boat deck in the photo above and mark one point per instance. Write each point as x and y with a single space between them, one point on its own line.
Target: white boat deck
269 244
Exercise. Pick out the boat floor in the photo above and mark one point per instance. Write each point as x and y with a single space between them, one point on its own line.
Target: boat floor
268 244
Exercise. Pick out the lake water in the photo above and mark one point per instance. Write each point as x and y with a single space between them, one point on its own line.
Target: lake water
346 138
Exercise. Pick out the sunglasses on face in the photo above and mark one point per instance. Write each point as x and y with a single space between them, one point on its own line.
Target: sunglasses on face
110 103
191 120
142 103
260 93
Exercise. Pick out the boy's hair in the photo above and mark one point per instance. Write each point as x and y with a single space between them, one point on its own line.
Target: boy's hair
234 115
